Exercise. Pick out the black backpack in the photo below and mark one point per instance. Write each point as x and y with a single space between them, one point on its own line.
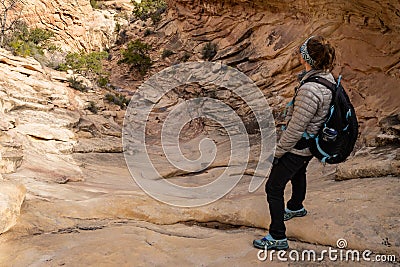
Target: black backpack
338 134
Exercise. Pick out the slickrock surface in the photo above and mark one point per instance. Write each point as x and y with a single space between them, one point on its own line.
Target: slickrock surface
106 219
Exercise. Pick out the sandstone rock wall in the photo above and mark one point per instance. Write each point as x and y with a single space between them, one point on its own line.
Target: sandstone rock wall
259 37
75 23
42 122
41 114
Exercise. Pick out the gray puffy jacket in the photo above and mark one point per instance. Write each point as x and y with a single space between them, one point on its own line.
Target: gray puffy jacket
311 105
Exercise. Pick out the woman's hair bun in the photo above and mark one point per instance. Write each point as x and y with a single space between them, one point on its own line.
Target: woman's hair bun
322 52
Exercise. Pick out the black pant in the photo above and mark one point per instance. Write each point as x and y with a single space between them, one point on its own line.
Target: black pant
289 167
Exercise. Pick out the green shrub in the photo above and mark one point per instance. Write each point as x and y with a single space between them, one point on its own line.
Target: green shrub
20 48
23 41
53 48
166 53
209 51
149 9
156 17
103 80
77 84
136 55
88 64
185 57
39 36
92 107
94 4
118 100
19 31
147 32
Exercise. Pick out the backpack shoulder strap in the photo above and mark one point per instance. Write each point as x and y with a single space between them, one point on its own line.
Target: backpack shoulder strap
331 86
321 81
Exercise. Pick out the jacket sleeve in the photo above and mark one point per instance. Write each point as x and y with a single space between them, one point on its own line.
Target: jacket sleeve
305 107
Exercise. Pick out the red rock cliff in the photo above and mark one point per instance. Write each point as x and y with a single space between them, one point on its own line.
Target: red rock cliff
258 37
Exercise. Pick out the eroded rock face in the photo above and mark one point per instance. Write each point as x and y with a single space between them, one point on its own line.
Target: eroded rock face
38 107
76 24
259 37
40 119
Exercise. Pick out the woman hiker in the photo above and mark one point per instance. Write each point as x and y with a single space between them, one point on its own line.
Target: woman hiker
305 116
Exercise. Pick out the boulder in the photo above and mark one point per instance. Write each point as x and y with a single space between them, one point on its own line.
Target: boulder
11 198
370 162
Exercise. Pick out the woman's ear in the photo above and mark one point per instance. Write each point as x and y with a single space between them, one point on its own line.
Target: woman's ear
305 64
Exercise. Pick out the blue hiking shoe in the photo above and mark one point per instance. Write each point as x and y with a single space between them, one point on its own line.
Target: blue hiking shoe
269 243
289 214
